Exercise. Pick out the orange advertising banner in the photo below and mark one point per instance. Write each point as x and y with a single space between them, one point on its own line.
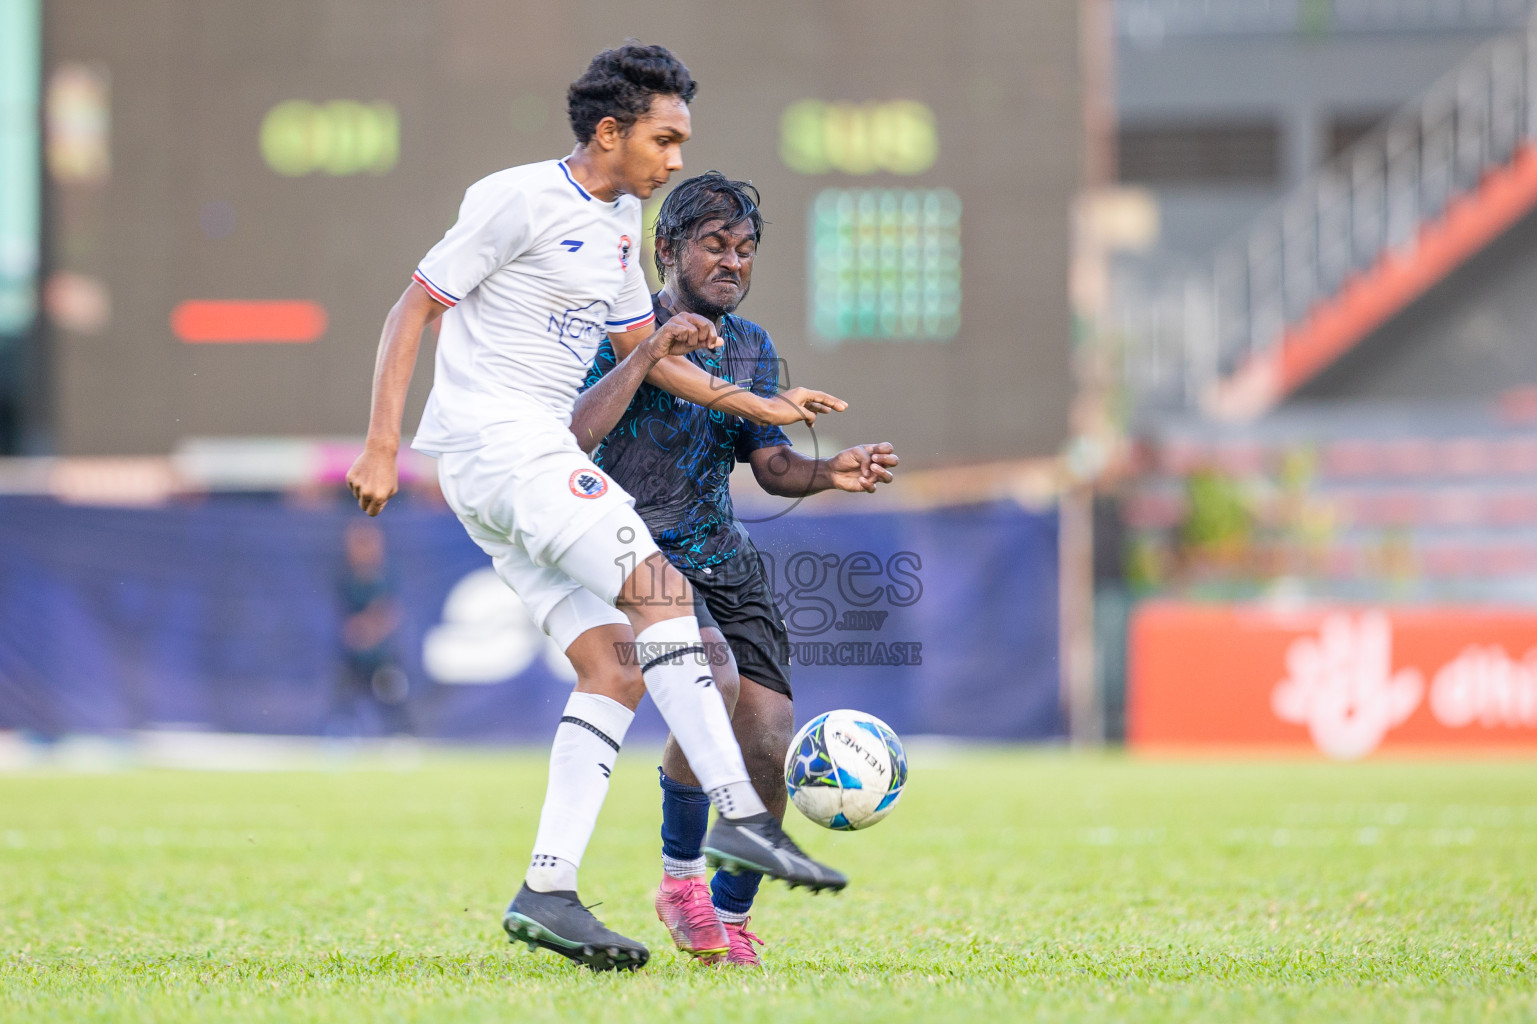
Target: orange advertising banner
1347 681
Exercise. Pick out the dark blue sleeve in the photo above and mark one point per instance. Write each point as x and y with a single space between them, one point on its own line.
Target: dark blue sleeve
603 362
765 384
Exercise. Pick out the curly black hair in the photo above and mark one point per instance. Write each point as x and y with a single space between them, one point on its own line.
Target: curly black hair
619 83
699 200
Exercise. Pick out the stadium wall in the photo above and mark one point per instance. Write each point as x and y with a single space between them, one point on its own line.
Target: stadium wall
223 615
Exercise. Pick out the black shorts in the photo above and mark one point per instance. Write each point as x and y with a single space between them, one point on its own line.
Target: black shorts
735 597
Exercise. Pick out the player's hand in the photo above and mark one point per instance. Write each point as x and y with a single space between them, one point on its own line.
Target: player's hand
862 467
374 478
684 333
800 405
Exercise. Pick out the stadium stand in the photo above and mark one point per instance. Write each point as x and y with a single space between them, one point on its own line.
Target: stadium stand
1363 499
1356 246
1343 399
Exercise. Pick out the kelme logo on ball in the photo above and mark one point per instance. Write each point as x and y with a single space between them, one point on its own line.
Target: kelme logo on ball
588 483
845 770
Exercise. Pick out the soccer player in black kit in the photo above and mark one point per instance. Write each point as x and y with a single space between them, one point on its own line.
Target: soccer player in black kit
676 458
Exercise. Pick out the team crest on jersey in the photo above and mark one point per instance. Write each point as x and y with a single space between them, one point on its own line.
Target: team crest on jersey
624 252
588 483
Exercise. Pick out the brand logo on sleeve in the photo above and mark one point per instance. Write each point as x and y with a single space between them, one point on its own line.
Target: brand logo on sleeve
571 244
624 252
588 483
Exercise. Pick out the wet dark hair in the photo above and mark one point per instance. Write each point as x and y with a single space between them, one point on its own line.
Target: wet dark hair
697 201
620 83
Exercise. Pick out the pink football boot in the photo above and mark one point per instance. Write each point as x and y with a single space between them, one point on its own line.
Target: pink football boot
683 905
742 952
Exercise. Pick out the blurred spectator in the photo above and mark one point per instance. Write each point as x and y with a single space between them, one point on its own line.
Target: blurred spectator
371 673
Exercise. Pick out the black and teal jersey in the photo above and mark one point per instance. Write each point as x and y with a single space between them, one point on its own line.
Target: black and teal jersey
675 458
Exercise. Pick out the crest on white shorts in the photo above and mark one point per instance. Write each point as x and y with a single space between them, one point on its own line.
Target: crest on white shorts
588 483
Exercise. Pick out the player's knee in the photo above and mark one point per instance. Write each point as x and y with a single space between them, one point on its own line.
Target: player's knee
600 669
656 591
763 750
622 683
767 739
627 680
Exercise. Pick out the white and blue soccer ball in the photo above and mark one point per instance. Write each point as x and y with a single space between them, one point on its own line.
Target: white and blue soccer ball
845 770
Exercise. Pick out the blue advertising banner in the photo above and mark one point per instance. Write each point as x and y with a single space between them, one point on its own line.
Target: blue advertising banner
232 615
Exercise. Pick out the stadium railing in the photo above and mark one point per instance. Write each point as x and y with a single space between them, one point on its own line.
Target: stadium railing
1365 236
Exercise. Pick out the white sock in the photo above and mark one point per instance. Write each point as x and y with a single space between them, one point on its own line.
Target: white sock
730 916
673 867
586 746
550 874
678 678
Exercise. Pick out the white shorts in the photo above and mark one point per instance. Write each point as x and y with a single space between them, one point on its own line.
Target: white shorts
559 531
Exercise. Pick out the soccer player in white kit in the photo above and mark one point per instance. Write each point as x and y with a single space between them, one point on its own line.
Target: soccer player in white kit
541 265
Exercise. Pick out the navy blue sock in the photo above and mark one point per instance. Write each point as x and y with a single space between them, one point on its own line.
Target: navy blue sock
685 816
734 894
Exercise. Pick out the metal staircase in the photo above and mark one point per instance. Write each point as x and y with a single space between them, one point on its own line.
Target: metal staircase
1366 236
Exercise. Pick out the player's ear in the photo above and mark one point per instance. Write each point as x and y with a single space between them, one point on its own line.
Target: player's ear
607 133
664 251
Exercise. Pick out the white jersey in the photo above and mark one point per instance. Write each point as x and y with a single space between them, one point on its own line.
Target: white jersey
538 272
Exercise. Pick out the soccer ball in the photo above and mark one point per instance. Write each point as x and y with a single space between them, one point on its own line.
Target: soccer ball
845 770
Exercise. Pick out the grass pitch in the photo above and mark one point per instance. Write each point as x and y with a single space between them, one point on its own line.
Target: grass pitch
1006 886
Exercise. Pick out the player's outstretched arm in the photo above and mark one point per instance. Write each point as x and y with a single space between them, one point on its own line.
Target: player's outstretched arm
374 477
599 408
784 471
678 376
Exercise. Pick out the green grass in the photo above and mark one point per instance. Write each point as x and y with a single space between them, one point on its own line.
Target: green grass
1007 886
